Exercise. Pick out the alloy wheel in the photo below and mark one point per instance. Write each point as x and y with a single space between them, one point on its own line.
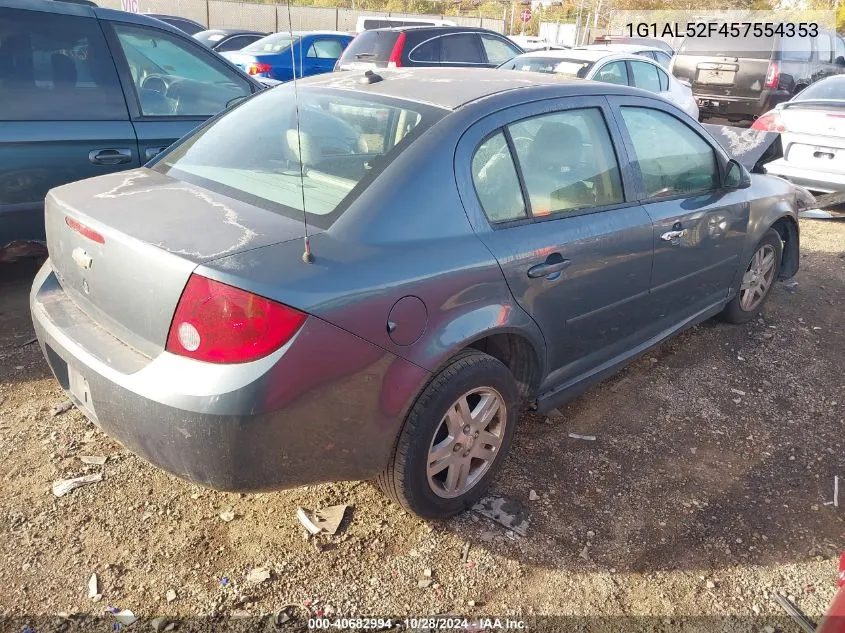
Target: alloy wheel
758 279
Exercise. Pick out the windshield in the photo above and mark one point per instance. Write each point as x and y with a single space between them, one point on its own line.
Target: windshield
572 68
833 88
718 45
252 153
275 43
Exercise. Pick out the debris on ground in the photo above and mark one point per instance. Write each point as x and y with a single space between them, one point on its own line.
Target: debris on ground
424 583
710 584
170 596
578 436
427 572
162 623
795 613
227 516
61 408
620 383
29 342
124 616
94 588
63 486
738 392
532 495
585 553
326 521
93 460
258 575
465 552
507 512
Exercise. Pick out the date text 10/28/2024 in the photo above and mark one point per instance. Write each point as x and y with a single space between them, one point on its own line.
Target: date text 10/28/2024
475 625
723 29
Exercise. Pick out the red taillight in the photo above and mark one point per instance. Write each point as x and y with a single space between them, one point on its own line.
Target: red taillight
218 323
772 75
258 68
769 122
85 231
395 60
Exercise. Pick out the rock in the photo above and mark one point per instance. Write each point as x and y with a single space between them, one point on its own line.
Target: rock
738 392
93 460
427 572
424 583
590 534
258 575
769 629
532 495
170 595
326 520
585 553
227 516
61 408
159 623
94 588
710 584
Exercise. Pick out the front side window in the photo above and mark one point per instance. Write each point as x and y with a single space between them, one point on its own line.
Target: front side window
460 48
613 73
174 78
840 48
825 48
498 50
645 76
56 68
496 182
325 49
254 153
567 161
672 158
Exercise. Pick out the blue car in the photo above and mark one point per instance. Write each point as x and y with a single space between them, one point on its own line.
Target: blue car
274 56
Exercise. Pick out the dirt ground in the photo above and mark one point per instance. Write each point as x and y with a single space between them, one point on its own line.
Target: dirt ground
704 492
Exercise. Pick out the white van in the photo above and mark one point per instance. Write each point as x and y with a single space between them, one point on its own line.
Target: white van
369 22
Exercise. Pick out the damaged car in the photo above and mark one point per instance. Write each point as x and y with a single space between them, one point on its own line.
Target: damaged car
368 275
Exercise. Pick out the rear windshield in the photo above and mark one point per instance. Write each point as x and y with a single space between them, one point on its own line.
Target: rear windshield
370 46
832 88
252 153
719 45
572 68
275 43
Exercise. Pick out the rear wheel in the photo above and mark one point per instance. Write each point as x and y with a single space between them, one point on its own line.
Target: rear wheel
757 281
455 438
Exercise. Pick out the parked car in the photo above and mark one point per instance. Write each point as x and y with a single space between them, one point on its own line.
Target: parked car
222 40
657 54
191 27
741 78
653 42
427 46
274 56
88 91
370 22
573 225
812 127
609 67
533 43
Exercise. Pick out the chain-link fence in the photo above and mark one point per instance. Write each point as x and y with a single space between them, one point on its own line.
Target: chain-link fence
274 17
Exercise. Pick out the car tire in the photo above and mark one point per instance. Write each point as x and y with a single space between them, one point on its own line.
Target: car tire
758 279
430 435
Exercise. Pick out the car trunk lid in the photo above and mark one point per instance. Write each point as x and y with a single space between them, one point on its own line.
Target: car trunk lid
815 135
123 246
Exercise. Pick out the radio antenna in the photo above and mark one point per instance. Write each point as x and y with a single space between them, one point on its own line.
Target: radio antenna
307 257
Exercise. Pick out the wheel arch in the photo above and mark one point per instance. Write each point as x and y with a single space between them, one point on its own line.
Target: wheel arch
787 227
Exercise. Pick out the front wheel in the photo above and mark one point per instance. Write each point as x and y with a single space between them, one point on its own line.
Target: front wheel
455 438
757 281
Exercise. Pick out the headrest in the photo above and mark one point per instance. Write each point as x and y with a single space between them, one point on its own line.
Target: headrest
306 149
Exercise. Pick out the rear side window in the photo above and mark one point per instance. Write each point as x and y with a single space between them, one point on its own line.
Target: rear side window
840 48
672 158
825 47
56 68
496 182
497 49
662 58
371 46
613 73
645 76
797 49
427 51
460 48
254 153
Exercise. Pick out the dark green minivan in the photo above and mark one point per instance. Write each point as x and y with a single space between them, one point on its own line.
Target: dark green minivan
85 91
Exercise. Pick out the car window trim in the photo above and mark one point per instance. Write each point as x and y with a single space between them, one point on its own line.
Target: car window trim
130 91
617 102
500 119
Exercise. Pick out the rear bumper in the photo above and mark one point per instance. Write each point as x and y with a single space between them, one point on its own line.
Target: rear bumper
327 406
812 179
740 108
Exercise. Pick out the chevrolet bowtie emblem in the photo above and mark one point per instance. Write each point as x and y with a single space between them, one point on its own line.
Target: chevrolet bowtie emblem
82 259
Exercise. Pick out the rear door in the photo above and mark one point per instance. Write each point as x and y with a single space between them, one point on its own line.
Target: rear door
699 226
546 187
172 83
62 112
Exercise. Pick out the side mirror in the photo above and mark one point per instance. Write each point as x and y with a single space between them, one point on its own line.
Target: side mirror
839 61
736 176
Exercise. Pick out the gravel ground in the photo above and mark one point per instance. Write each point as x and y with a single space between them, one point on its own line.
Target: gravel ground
703 494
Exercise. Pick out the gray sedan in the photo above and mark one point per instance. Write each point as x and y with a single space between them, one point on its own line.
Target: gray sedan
274 303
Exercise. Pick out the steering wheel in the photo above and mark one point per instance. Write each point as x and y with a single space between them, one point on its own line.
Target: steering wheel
155 83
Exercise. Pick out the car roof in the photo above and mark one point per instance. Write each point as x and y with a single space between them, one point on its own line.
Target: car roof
233 32
622 48
437 29
451 88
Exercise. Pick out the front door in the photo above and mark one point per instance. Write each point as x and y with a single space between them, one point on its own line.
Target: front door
699 226
172 83
546 181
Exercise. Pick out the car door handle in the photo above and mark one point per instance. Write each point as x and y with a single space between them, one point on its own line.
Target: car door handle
110 156
549 269
670 236
152 152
